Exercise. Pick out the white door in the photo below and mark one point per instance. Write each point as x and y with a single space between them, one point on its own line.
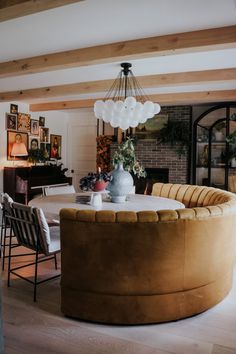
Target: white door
82 132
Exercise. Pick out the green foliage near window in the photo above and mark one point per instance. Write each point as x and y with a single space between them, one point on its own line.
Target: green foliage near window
125 154
220 126
36 155
231 138
233 117
177 134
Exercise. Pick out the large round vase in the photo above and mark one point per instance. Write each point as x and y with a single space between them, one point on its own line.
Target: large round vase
120 185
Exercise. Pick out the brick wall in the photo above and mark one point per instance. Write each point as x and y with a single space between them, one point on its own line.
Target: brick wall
153 154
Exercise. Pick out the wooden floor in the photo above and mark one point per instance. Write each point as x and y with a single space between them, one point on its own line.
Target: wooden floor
38 328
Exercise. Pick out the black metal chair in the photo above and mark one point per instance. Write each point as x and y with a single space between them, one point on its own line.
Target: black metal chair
6 200
5 227
31 230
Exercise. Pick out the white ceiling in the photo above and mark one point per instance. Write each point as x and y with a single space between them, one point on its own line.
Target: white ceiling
94 22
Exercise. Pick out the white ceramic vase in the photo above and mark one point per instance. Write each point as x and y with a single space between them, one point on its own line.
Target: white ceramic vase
121 184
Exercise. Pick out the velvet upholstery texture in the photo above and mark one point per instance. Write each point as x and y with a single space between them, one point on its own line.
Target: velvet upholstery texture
149 267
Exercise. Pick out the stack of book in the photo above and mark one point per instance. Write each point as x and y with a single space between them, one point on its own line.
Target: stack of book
83 199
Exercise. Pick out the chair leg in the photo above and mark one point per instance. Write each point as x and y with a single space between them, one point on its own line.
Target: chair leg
4 247
9 259
2 227
55 259
35 275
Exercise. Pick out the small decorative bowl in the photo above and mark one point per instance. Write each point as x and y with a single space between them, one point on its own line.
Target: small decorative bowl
100 186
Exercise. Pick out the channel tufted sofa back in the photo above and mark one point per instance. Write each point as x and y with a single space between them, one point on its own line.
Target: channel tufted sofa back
150 266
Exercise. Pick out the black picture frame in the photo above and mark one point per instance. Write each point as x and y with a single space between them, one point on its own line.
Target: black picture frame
11 121
13 108
41 121
34 142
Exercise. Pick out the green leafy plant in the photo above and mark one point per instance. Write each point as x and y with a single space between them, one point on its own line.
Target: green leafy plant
177 134
233 117
36 155
231 138
125 154
220 126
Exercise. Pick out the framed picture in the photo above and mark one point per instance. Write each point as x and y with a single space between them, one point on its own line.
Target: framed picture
19 141
23 122
44 135
13 108
46 150
56 144
41 121
34 127
11 121
150 129
34 143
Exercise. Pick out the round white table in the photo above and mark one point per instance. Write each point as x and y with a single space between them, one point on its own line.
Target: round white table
51 205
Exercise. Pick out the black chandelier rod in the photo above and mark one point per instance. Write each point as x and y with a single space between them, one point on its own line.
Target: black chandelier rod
125 84
126 70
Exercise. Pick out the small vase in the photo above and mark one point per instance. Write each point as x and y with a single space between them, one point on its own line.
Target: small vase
100 186
120 185
96 200
233 162
219 136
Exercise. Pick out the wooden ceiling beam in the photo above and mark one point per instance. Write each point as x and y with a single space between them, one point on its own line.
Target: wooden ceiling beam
10 9
187 98
209 39
150 81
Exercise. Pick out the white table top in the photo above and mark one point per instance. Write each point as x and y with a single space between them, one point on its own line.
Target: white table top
51 205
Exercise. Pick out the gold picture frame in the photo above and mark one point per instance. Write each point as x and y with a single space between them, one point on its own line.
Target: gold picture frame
151 128
23 122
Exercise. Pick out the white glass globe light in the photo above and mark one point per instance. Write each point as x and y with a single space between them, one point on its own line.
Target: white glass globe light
143 119
130 102
118 106
109 104
124 125
98 108
157 108
107 115
115 121
148 106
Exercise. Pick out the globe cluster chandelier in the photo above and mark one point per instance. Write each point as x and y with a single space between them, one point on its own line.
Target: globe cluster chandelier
125 104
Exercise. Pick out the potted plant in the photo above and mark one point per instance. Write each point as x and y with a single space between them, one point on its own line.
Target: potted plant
36 156
125 163
219 133
125 155
231 139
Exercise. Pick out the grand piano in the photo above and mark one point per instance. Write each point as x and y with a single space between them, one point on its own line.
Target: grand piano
23 183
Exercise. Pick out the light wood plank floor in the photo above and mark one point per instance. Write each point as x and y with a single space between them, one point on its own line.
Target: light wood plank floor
38 328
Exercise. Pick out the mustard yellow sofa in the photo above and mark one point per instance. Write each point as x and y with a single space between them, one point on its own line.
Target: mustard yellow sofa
149 267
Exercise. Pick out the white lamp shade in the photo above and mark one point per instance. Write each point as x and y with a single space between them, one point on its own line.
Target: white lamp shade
19 149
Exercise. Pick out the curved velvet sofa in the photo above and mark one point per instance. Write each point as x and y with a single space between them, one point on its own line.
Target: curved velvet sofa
149 267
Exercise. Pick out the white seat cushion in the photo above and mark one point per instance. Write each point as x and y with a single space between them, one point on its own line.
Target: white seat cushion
44 226
59 190
55 244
